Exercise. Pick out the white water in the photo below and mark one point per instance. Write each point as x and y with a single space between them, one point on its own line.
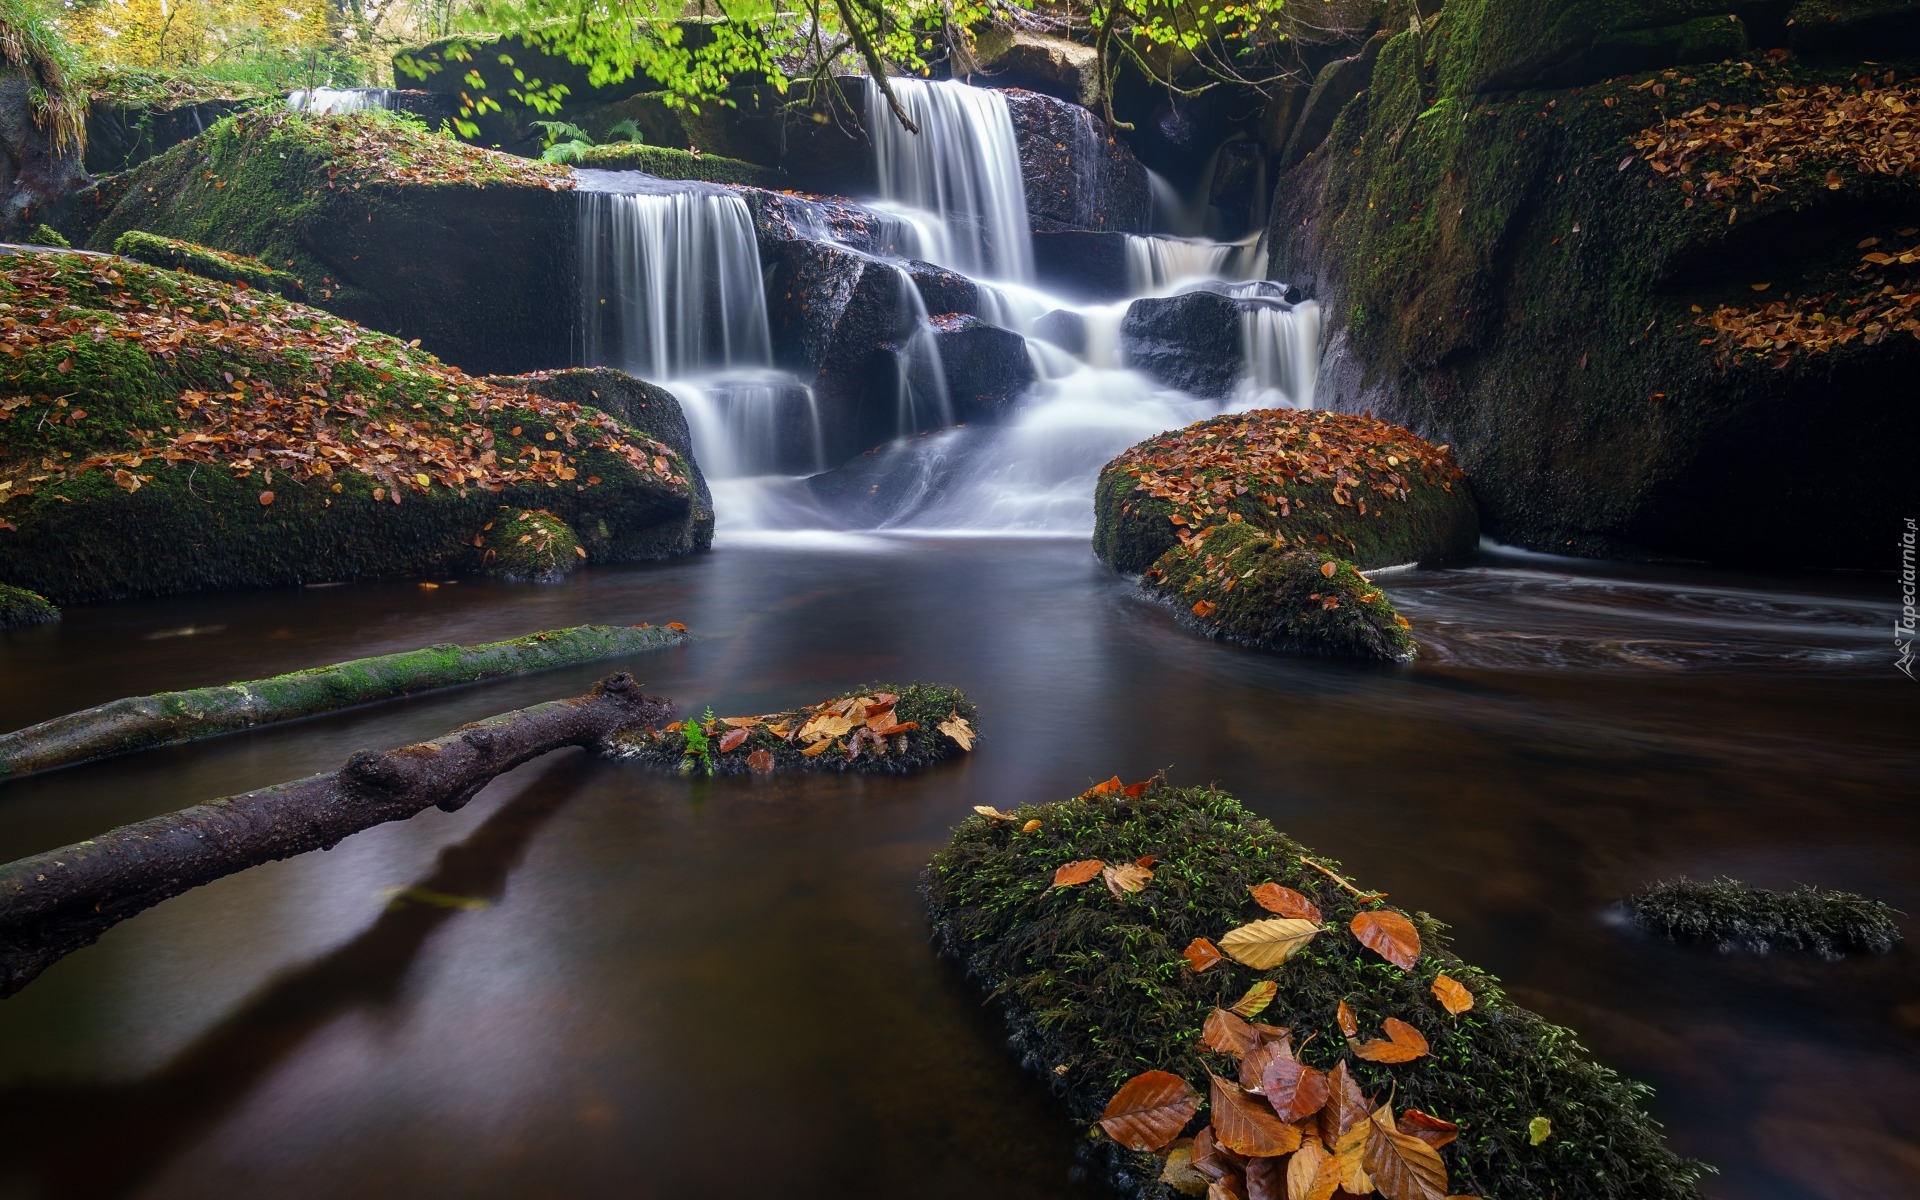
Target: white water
341 100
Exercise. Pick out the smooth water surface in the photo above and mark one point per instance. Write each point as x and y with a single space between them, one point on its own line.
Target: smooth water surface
609 982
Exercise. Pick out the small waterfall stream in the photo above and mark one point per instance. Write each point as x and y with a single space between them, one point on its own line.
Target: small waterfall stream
342 100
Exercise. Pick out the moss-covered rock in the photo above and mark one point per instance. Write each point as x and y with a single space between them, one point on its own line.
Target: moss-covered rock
1365 490
669 163
205 262
18 607
878 729
383 222
47 235
1503 271
529 544
1239 582
1738 916
160 432
1094 990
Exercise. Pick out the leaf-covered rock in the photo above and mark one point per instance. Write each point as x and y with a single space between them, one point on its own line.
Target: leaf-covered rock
529 544
1094 990
18 607
217 265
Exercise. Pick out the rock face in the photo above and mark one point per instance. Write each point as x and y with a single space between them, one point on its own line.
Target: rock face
1051 65
1333 88
1369 492
1078 175
470 251
1507 274
1192 341
1086 264
40 140
123 133
222 437
985 368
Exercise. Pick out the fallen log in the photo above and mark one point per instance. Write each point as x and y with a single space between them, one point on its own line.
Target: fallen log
55 903
880 729
172 718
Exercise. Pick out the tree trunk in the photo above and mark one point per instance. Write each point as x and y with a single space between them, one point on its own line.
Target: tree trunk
171 718
54 903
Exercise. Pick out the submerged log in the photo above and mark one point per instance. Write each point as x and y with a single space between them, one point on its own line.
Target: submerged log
171 718
55 903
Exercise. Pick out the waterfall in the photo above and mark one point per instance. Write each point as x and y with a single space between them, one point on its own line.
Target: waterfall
922 383
963 167
342 100
1281 347
759 423
669 279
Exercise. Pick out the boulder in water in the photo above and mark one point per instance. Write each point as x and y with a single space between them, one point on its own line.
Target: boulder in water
19 607
222 437
528 545
1244 584
1078 175
1190 341
1064 328
1329 483
985 369
1085 264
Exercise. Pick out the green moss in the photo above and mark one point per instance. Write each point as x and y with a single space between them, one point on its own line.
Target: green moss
30 42
529 544
669 163
1094 990
1735 915
47 235
105 490
18 607
924 705
205 262
1230 465
1238 582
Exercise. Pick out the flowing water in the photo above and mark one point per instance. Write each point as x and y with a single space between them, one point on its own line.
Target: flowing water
341 100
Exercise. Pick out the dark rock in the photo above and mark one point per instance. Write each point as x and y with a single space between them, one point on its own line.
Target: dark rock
1239 174
39 167
985 368
888 483
1583 42
1190 341
944 291
648 407
1078 176
1084 264
1337 84
20 607
1862 27
1054 66
123 135
1067 330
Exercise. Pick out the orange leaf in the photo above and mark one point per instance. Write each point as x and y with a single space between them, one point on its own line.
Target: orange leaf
1345 1108
676 626
1452 995
1245 1125
1103 789
266 498
1348 1025
1385 1052
1403 1167
1428 1128
760 762
1285 901
1031 826
1328 568
1205 608
1405 1034
818 748
1150 1110
1389 935
1256 999
1225 1033
1124 879
1139 789
733 739
1201 954
1312 1173
1077 872
1296 1090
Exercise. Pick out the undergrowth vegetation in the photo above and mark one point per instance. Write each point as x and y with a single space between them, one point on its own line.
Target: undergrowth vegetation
881 728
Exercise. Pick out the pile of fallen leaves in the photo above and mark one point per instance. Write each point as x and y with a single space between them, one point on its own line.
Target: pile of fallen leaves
874 730
1887 303
376 147
281 389
1869 129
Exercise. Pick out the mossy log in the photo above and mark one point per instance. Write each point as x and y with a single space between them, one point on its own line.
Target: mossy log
880 729
55 903
172 718
1095 988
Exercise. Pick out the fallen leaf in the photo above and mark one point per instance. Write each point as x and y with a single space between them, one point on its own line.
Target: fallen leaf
1031 826
1256 1000
1225 1033
825 726
1350 1156
1403 1167
1264 945
760 762
1348 1025
676 626
1125 879
1136 790
1178 1173
1389 935
1345 1108
1405 1034
741 722
732 740
1146 860
1075 873
1245 1125
1253 1065
1266 1179
1312 1173
1296 1090
1428 1128
1539 1129
1150 1110
958 729
1285 901
818 748
1205 608
266 498
1103 789
1327 568
1384 1052
1228 1187
991 813
1201 954
1452 995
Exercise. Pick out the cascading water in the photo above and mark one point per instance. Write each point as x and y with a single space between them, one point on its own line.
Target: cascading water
342 100
1281 345
963 167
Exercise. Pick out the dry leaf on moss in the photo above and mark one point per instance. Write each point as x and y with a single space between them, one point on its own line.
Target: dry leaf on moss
1264 945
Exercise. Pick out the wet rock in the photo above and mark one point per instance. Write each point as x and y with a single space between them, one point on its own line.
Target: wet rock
986 369
1065 329
40 160
647 407
19 607
1078 176
122 135
1191 341
1738 916
1084 264
1051 65
889 482
1333 88
529 545
1861 27
1239 173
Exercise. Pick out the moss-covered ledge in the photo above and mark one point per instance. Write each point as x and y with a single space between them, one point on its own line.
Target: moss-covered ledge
208 263
1095 989
669 163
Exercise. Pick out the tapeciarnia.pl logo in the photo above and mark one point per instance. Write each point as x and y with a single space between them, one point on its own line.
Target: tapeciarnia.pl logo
1903 625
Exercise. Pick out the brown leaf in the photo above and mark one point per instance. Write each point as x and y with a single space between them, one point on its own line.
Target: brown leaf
1228 1187
1264 945
1285 901
1244 1124
1256 999
266 498
1452 995
733 739
1312 1173
1227 1034
1077 872
1201 954
991 813
760 762
1345 1107
1384 1052
1389 935
1405 1034
1031 826
1350 1157
1205 608
1327 568
1296 1090
1124 879
1348 1025
1213 1160
1178 1173
1266 1179
1402 1166
1428 1128
957 728
1150 1110
1265 1050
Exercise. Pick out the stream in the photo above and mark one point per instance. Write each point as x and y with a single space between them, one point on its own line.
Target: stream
612 982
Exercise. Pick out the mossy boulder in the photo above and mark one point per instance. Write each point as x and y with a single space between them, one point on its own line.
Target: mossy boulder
644 406
470 251
881 729
1501 268
669 163
18 607
1093 987
160 432
530 545
47 235
205 262
1241 583
1369 492
1738 916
